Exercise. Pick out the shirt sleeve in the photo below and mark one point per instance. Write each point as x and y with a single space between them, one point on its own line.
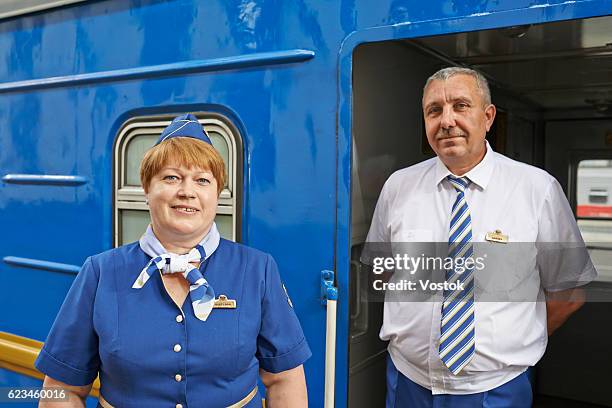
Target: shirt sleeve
70 354
377 241
281 344
563 259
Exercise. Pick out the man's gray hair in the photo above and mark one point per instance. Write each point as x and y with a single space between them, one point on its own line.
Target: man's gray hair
446 73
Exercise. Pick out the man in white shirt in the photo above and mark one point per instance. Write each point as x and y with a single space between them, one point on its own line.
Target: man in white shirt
455 350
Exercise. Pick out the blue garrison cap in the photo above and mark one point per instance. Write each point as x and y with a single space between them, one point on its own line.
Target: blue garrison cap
185 125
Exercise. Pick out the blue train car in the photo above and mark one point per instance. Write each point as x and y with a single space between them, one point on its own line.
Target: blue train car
313 104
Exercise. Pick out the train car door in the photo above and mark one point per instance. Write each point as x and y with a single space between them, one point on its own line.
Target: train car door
382 73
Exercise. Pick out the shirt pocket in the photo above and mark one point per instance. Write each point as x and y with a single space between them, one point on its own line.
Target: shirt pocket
410 248
415 235
411 242
507 271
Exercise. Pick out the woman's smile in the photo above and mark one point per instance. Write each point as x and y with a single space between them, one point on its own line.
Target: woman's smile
185 210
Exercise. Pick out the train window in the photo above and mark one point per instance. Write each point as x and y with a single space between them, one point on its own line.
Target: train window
131 212
135 150
594 212
593 189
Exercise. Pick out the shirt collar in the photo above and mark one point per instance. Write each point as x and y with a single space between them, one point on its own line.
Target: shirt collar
479 175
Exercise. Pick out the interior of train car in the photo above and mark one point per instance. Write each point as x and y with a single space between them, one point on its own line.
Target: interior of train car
552 86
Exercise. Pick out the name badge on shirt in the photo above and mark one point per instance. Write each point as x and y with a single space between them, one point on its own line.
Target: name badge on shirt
497 236
222 302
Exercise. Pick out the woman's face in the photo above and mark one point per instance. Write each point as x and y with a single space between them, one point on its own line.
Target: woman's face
182 203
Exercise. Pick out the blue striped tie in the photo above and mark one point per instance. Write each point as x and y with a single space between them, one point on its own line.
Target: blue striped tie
457 327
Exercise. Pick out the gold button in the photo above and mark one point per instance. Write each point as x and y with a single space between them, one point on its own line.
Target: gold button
178 378
177 347
179 318
179 405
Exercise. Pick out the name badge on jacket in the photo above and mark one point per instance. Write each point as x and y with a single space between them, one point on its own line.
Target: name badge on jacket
222 302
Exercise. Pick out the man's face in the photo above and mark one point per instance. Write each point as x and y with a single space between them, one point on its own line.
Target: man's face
456 121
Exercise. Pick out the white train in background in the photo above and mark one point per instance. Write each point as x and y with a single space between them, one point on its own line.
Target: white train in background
594 212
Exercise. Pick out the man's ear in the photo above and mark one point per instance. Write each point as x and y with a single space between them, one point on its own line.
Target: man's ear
490 112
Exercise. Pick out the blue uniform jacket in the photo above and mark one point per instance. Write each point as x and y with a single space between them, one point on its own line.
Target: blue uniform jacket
150 354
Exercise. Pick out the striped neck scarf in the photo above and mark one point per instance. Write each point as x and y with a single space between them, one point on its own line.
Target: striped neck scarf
201 293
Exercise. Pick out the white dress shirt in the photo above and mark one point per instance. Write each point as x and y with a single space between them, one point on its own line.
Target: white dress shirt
527 205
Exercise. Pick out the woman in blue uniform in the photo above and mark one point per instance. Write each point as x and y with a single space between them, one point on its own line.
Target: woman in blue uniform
182 318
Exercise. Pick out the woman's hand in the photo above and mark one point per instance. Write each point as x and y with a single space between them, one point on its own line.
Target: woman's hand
76 394
285 389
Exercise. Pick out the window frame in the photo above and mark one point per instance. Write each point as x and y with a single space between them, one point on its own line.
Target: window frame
13 8
127 197
576 157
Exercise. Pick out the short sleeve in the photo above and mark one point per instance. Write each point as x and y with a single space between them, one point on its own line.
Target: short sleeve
70 354
563 258
378 235
281 344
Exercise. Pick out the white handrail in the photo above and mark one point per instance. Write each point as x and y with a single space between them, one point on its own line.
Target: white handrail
330 354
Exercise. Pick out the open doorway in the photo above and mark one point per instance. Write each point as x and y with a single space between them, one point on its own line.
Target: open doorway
553 89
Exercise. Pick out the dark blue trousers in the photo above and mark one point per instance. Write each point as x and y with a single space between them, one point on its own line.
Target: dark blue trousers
404 393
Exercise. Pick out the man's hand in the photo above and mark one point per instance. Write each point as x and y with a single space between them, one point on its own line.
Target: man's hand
561 305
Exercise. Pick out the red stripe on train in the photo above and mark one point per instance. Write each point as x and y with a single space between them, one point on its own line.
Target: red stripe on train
600 211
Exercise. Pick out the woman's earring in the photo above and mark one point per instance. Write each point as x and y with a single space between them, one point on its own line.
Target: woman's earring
146 201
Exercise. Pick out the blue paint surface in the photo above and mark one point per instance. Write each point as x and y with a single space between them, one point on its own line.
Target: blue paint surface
295 120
